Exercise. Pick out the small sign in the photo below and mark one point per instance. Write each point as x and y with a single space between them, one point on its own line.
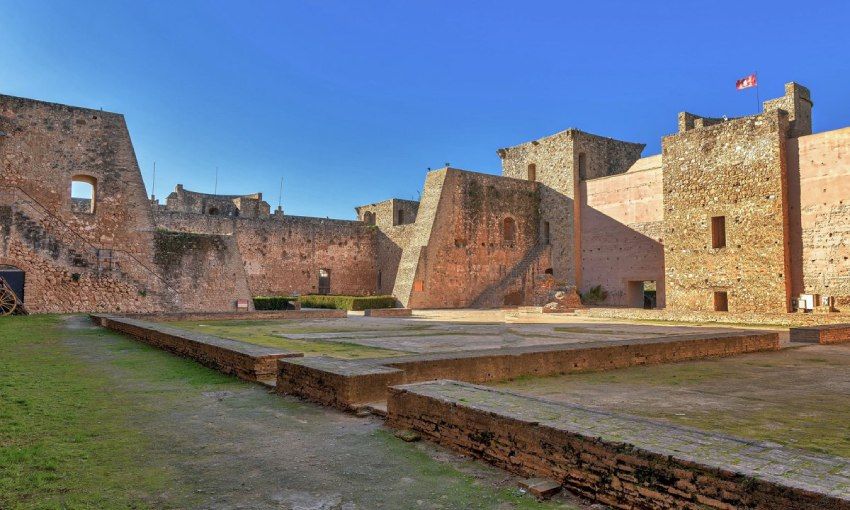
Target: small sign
242 304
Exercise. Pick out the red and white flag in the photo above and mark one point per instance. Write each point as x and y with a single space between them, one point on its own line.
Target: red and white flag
747 82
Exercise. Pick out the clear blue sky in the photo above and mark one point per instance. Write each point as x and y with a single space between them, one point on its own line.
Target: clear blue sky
351 101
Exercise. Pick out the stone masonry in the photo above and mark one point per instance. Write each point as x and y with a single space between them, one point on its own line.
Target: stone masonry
740 215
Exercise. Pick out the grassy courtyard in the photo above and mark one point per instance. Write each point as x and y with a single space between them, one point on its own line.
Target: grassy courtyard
795 397
91 419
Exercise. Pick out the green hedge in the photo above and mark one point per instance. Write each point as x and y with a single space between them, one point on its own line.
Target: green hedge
347 302
273 302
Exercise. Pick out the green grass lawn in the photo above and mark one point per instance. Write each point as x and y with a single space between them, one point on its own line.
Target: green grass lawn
64 439
268 333
90 419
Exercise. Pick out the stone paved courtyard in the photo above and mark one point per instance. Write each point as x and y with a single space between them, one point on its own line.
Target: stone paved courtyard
795 397
433 331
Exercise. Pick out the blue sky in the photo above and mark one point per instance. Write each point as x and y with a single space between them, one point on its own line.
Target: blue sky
351 101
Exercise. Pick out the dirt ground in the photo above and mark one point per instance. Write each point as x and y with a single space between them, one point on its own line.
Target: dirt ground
432 331
795 397
227 444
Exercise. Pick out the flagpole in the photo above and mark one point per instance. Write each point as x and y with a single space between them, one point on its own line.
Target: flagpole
758 102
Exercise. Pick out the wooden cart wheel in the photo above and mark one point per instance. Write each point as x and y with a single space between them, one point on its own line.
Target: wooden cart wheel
8 300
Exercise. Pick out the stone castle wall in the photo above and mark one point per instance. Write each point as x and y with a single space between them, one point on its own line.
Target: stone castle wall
559 163
585 210
283 255
104 257
737 170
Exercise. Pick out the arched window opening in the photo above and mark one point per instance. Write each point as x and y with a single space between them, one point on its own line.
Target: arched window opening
532 172
369 218
509 229
83 194
213 211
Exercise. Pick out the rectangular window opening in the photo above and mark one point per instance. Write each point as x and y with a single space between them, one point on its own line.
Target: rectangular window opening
721 301
718 232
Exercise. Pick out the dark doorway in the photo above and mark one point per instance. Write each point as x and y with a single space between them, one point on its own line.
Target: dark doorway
641 294
15 278
324 281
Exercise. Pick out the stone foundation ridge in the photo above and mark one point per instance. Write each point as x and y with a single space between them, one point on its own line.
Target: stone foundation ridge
350 384
621 461
826 334
246 361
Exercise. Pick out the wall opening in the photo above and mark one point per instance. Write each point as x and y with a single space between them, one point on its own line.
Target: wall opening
642 294
380 278
15 278
582 165
213 211
400 217
369 218
324 281
83 194
718 232
721 301
532 172
509 229
545 238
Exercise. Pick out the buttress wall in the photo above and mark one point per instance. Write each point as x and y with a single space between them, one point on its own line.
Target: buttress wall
484 233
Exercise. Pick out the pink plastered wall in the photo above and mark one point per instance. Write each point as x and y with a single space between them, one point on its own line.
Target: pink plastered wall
819 214
621 230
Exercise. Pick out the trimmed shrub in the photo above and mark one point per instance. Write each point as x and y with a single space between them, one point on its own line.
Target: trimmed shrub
274 302
347 302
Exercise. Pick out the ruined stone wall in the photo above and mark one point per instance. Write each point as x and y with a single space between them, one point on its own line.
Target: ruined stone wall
819 191
467 250
75 260
736 169
389 213
205 269
282 255
621 233
560 162
247 206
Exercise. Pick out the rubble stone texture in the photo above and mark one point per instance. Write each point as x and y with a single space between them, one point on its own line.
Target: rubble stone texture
572 208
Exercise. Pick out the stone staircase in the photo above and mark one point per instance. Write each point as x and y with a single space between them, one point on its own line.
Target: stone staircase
494 294
47 234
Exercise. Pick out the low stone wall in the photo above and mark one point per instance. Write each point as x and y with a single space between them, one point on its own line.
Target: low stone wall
308 313
764 319
388 312
351 383
340 383
832 334
621 461
246 361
